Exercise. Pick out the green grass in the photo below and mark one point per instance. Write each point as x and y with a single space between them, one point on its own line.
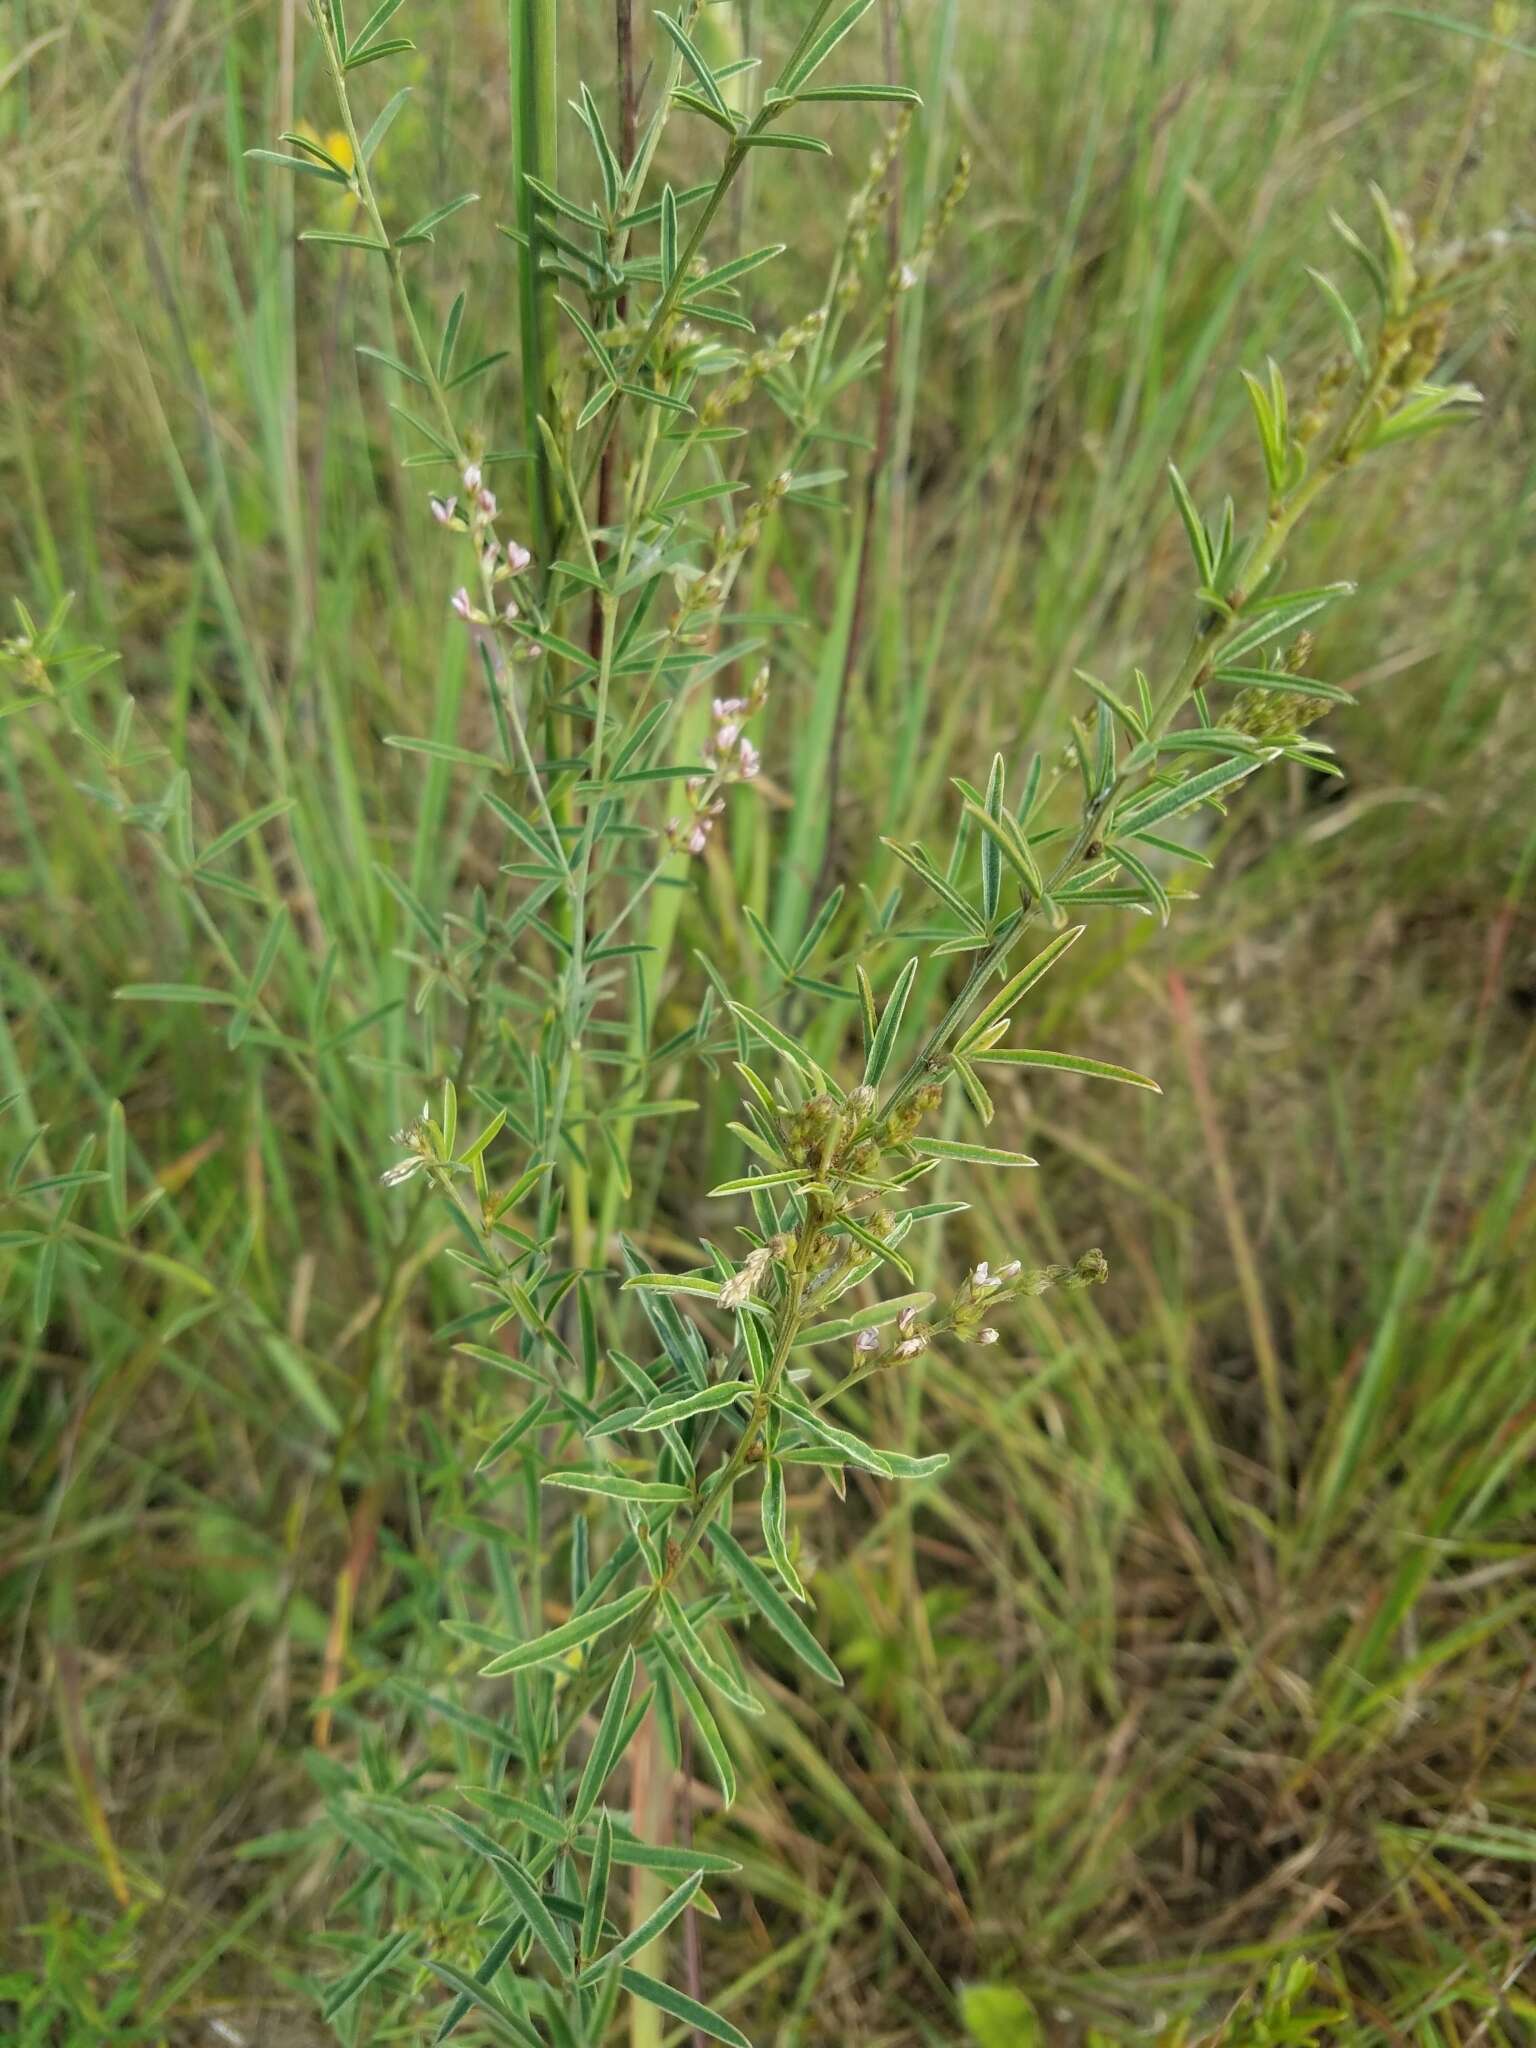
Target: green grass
1157 1687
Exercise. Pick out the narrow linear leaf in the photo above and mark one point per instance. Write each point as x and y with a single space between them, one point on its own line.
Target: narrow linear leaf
771 1604
580 1629
650 1927
680 2007
1068 1063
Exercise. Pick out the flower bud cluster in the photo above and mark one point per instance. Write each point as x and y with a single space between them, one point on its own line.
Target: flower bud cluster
1276 716
835 1138
761 363
903 1120
867 206
907 272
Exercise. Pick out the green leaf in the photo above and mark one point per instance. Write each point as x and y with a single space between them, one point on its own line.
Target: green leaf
668 235
901 95
771 1604
233 834
697 104
171 992
392 1949
1067 1063
589 335
884 1043
770 1034
343 241
650 1927
378 355
616 1486
423 230
301 164
700 69
509 1438
443 750
412 904
703 1401
683 1682
382 123
812 59
475 1991
775 1529
638 1855
604 1753
384 12
1284 616
974 1155
396 47
1194 526
774 139
581 1628
1001 832
311 147
694 1648
1278 679
739 266
530 1901
680 2007
1020 985
1167 803
597 1877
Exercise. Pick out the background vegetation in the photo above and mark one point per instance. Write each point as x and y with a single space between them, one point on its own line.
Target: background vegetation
1153 1692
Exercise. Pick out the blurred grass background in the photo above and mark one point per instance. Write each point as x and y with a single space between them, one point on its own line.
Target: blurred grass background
1148 1694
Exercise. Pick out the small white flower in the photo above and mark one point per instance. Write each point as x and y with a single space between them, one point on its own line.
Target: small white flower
472 477
983 1280
729 707
1007 1272
397 1175
908 276
867 1340
518 557
443 510
698 837
749 760
461 604
986 1336
486 500
738 1290
906 1319
911 1347
509 610
726 735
